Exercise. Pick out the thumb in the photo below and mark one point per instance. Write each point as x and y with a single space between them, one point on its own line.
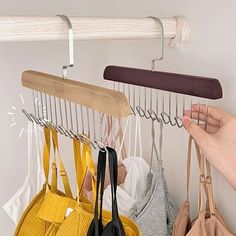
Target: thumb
199 135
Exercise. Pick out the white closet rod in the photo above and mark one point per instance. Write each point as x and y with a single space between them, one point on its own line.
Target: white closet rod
33 28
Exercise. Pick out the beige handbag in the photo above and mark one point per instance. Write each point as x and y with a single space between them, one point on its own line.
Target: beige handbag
209 220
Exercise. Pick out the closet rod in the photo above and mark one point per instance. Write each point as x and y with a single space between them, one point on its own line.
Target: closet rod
37 28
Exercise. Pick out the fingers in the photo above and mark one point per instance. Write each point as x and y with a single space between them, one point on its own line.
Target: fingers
202 117
213 112
209 129
200 136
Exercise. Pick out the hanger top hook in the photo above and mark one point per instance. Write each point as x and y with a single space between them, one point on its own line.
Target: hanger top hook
71 46
162 41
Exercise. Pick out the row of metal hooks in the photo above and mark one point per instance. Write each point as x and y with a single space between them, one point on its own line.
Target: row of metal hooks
149 113
46 115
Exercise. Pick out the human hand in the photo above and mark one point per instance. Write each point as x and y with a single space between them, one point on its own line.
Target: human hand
218 141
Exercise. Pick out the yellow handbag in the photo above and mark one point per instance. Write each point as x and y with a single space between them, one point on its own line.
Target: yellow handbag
30 224
55 206
79 220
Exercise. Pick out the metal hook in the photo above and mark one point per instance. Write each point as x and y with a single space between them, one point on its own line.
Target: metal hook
143 112
71 46
27 115
133 106
154 115
100 145
65 69
77 119
157 20
207 111
169 115
82 118
134 98
88 123
178 120
164 115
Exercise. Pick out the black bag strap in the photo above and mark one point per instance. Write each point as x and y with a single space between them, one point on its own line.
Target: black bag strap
96 227
114 227
113 170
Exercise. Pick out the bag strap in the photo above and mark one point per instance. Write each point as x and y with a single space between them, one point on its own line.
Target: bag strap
90 167
210 189
102 174
204 181
128 124
46 154
63 174
138 137
113 170
38 144
30 146
83 163
79 167
119 136
101 169
154 150
189 160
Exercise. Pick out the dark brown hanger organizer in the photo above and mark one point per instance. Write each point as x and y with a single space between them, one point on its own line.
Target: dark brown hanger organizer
203 87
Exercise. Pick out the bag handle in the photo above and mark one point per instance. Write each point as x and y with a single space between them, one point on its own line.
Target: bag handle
63 173
79 167
113 170
138 137
96 227
83 164
30 146
38 144
119 136
154 150
46 154
189 160
204 182
100 184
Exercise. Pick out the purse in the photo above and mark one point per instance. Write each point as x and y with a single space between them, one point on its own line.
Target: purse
118 225
80 219
30 224
209 220
55 206
114 227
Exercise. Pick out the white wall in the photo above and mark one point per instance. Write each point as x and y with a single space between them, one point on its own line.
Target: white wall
211 52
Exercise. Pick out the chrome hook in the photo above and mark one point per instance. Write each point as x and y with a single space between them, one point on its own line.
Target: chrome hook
164 115
178 120
71 46
169 115
157 20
